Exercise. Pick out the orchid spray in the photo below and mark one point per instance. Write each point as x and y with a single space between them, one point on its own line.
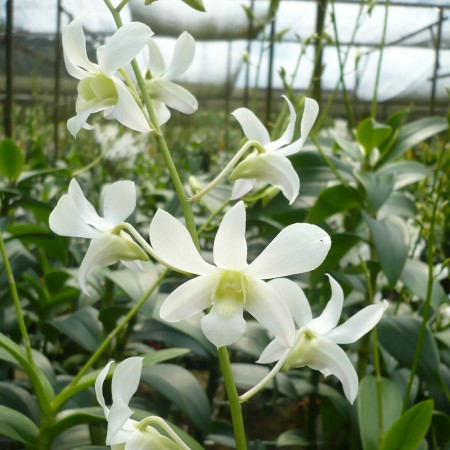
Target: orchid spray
226 288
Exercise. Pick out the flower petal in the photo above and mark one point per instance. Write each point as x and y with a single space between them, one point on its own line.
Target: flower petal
173 95
331 314
289 132
155 59
162 112
298 248
223 330
273 352
330 358
65 220
295 299
358 325
99 388
74 45
84 110
310 113
269 309
105 250
252 127
272 169
119 201
183 55
230 246
122 47
149 438
173 244
242 187
127 111
189 299
85 209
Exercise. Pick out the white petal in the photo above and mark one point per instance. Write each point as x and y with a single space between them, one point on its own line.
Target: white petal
105 250
252 127
135 266
183 55
273 352
295 299
155 59
330 358
126 379
122 47
119 201
298 248
173 95
74 45
127 111
99 388
173 244
162 111
189 299
310 113
230 246
74 124
272 169
242 187
331 314
85 209
223 331
65 220
358 325
289 132
269 309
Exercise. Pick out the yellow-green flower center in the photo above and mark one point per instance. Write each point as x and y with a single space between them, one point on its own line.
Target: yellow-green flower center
304 348
97 87
230 292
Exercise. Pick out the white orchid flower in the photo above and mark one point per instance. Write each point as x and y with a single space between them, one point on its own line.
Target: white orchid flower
232 285
124 433
99 88
316 341
272 166
74 216
163 91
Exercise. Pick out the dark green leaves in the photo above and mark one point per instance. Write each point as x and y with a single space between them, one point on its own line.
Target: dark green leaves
11 160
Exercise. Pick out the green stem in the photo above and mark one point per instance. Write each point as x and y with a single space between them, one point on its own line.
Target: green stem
233 399
16 300
64 395
373 110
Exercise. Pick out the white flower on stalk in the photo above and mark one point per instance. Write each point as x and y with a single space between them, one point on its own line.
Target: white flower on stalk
232 285
74 216
272 166
316 341
100 89
124 433
162 90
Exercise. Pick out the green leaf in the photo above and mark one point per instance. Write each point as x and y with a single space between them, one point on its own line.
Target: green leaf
367 406
11 160
164 355
378 188
390 246
405 172
415 278
399 335
18 427
371 134
180 387
408 432
412 134
19 399
333 200
399 204
71 417
82 327
195 4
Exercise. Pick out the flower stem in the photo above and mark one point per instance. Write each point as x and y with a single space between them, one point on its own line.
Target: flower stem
63 395
233 399
155 420
16 300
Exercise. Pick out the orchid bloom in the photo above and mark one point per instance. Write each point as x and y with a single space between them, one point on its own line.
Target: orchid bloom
316 341
232 285
74 216
124 433
163 91
272 165
99 88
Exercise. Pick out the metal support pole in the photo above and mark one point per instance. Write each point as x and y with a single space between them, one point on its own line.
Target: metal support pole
8 108
437 46
249 47
270 72
57 88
